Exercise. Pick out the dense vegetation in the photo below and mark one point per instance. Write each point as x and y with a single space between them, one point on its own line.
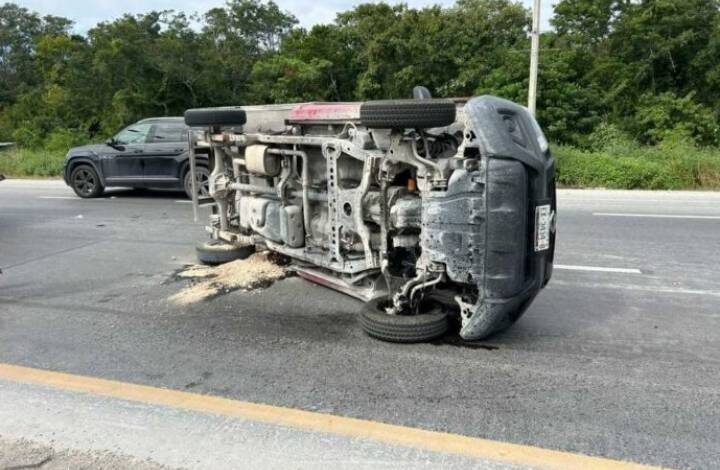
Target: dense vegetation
629 89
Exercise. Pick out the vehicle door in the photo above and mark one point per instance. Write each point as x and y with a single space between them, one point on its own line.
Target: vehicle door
164 153
124 165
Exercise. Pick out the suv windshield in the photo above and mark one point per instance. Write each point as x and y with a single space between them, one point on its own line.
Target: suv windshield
134 134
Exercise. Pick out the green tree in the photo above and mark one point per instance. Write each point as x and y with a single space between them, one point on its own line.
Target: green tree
666 115
645 68
588 22
20 32
646 56
281 79
330 45
233 39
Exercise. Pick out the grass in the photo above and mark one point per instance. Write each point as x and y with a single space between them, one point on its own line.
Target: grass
625 166
672 166
20 163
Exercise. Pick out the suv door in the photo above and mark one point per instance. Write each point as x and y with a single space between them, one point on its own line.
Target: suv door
164 153
124 165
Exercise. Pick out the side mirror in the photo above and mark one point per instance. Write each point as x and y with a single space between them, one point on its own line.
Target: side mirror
114 144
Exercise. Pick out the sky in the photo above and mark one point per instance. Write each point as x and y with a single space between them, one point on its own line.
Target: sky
87 13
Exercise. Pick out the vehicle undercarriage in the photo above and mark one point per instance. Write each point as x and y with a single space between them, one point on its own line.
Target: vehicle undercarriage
425 209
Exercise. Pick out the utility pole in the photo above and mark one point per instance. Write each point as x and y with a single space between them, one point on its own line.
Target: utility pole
534 57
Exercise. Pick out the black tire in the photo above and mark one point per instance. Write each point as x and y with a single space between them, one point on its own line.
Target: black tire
407 114
215 252
202 176
85 181
209 117
401 328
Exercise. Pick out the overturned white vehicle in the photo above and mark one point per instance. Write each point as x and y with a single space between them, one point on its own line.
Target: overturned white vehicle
429 210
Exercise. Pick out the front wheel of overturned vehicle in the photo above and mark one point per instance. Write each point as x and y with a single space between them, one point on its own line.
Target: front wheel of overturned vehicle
215 252
429 324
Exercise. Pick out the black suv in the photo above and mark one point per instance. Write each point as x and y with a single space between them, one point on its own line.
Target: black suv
152 153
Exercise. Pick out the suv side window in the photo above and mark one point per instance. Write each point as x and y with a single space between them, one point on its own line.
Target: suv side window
169 132
134 134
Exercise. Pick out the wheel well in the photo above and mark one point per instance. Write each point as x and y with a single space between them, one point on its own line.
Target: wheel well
72 164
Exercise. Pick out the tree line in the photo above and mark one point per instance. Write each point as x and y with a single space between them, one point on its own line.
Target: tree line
644 70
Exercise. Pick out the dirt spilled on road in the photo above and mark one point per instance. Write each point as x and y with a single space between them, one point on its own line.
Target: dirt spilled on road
259 270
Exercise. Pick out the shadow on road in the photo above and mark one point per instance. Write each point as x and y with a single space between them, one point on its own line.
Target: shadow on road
137 193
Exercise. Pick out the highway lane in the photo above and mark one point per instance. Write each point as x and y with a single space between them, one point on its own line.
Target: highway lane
617 358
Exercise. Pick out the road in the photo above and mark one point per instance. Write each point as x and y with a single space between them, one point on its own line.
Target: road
618 358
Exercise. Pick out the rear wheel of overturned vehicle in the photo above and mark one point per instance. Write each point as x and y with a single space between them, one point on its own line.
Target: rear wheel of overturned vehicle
430 323
212 117
407 114
216 252
85 182
202 182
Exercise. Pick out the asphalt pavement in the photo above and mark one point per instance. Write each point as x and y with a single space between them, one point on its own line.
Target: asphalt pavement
619 357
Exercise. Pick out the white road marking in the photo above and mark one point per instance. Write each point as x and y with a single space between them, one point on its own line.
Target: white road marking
637 200
634 287
75 198
657 216
204 204
598 269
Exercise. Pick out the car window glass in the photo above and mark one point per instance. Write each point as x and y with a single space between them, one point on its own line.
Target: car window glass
169 133
135 134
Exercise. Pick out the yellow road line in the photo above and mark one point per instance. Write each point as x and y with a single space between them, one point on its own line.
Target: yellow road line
320 422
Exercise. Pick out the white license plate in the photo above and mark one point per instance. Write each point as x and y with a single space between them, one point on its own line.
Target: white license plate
543 221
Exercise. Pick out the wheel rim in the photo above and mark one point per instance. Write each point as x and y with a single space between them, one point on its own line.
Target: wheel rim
84 182
202 184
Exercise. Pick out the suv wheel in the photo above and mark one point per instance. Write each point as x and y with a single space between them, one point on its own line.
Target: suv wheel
429 324
202 178
85 181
